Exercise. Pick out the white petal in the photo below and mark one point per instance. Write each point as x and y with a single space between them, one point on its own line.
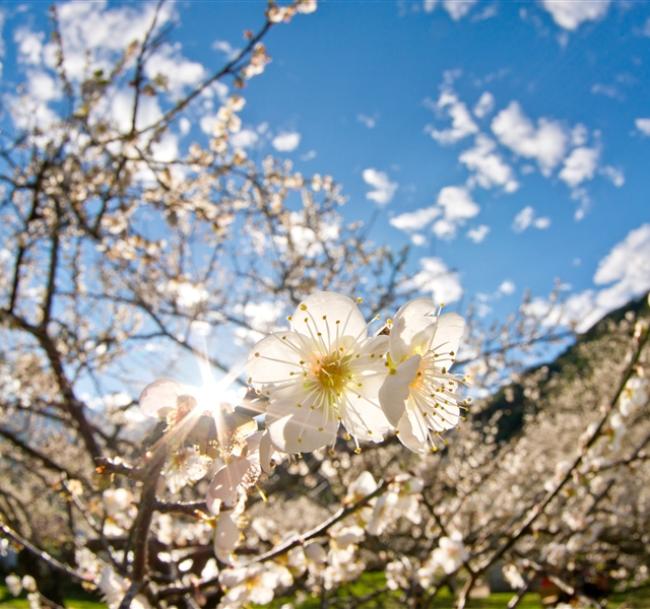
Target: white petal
289 400
363 418
376 345
363 485
275 359
412 431
304 430
409 321
225 484
321 311
226 536
369 359
266 453
161 396
395 389
449 332
445 416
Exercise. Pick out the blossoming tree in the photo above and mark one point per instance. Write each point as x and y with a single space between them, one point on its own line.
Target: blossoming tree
131 256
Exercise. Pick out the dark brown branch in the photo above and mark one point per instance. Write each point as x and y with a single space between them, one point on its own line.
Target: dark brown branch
42 554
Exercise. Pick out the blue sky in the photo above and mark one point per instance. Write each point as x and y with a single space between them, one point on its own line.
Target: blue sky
521 131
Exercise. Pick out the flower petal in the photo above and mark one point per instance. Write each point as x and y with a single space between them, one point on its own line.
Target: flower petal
161 396
226 536
275 360
409 321
225 484
304 430
266 453
330 314
395 389
363 418
449 332
445 416
412 431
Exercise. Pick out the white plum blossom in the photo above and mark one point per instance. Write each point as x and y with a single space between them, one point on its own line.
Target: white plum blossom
513 577
114 587
241 471
120 510
450 553
14 585
401 500
398 573
164 396
185 467
635 395
29 583
324 371
254 583
419 395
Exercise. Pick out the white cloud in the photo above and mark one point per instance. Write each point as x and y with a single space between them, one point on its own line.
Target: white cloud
580 166
628 262
262 318
30 46
94 34
484 105
527 218
436 279
179 73
457 207
418 240
223 46
478 234
570 14
624 275
489 168
370 122
121 108
488 12
457 203
643 125
310 155
286 141
383 189
614 174
415 220
610 91
41 86
546 142
444 229
457 9
462 124
507 287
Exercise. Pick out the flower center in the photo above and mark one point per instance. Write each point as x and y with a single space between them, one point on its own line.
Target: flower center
418 380
332 372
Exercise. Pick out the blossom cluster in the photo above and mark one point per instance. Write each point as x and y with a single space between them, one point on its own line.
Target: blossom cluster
326 370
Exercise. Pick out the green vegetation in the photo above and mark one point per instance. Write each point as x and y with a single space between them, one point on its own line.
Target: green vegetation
75 600
368 584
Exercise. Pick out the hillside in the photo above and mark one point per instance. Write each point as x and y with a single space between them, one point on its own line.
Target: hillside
591 354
